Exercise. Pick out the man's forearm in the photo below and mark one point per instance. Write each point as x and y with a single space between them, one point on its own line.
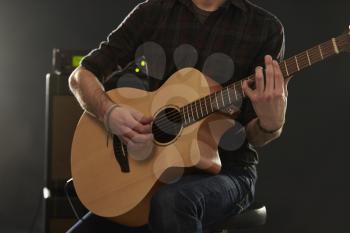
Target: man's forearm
257 137
89 92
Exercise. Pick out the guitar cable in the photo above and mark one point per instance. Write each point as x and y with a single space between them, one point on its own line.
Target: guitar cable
36 214
66 191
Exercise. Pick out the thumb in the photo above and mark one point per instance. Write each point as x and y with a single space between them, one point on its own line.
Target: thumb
286 82
146 120
141 118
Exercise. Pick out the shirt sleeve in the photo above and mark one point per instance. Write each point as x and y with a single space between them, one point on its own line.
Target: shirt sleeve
119 48
274 46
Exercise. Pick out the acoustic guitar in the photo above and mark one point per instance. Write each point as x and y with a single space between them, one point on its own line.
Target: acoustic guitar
115 182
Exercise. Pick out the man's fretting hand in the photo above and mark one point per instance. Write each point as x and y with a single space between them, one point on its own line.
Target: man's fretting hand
269 98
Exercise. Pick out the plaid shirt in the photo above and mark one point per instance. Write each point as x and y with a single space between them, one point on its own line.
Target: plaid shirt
239 30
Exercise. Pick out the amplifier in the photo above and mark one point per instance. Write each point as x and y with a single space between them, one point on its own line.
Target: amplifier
64 61
62 114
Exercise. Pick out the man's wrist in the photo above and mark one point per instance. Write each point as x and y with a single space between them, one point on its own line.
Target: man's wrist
105 105
107 115
267 131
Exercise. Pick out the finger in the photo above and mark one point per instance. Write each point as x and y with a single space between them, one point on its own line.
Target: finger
142 138
143 129
137 126
124 140
279 82
259 79
141 118
133 145
135 136
146 120
128 143
270 74
124 136
286 82
247 90
128 133
143 122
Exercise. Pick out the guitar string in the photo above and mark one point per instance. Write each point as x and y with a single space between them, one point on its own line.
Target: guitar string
328 50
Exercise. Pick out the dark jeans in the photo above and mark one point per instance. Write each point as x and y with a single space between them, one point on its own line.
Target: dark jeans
196 203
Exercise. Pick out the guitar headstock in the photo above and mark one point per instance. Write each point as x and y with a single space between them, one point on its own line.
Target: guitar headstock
343 41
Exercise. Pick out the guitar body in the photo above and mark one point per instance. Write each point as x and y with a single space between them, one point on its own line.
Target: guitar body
124 197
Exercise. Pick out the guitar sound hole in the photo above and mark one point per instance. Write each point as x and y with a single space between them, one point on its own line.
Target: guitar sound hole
167 125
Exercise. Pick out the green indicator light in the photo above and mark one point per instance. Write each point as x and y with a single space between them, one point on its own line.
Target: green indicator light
137 70
143 63
76 60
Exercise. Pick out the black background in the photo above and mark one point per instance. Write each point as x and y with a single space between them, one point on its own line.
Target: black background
303 175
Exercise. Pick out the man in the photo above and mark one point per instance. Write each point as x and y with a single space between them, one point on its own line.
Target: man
247 34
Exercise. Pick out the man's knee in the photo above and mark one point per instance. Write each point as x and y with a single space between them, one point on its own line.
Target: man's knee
169 203
163 201
169 207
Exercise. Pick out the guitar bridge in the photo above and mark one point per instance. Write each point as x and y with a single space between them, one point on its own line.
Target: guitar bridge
121 154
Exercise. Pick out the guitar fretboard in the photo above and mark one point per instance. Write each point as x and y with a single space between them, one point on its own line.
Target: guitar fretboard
233 93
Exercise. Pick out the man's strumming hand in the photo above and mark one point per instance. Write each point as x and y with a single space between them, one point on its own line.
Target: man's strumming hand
131 126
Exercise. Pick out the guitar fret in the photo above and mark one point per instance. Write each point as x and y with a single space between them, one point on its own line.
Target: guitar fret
285 65
222 98
205 103
200 107
315 55
308 57
217 103
320 49
195 105
241 83
293 65
211 104
296 61
189 111
335 46
312 55
192 112
234 87
229 97
183 115
188 116
303 61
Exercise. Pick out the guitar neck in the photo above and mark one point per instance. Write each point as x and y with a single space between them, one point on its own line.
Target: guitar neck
233 93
